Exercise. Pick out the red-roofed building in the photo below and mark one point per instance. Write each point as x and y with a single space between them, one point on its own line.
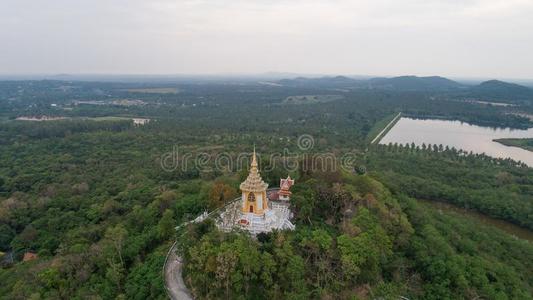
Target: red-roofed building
284 188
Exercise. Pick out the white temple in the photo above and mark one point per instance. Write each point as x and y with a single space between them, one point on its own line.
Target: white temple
259 209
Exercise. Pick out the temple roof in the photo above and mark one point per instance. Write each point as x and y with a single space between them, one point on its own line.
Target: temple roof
285 184
253 182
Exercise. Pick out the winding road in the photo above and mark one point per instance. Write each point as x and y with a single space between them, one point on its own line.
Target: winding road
174 284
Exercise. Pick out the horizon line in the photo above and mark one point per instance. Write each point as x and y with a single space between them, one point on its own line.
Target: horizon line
277 74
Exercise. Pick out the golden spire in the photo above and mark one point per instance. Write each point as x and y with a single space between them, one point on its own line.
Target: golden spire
254 160
254 182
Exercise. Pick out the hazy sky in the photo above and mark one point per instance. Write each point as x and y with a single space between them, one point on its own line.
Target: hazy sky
480 38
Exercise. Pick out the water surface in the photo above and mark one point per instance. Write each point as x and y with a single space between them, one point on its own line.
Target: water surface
478 139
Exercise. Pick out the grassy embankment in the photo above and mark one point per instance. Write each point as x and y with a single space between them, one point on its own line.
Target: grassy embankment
380 129
526 144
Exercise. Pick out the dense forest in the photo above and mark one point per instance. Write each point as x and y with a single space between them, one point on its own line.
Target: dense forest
496 187
355 239
87 194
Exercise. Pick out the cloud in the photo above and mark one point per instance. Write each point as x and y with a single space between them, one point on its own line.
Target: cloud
449 37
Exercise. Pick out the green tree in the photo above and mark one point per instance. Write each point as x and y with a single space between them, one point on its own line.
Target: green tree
165 227
115 238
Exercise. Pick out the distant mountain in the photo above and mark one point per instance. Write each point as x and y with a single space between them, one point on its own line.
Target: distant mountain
415 83
492 90
402 83
500 90
323 82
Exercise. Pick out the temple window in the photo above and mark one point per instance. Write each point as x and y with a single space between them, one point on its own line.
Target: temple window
251 197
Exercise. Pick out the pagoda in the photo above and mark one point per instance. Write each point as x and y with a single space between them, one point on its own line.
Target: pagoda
258 209
254 197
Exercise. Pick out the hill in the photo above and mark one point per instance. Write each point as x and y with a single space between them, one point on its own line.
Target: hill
415 83
356 239
323 82
502 91
401 83
491 91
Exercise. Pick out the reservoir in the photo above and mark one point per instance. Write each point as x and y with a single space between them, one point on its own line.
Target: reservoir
478 139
